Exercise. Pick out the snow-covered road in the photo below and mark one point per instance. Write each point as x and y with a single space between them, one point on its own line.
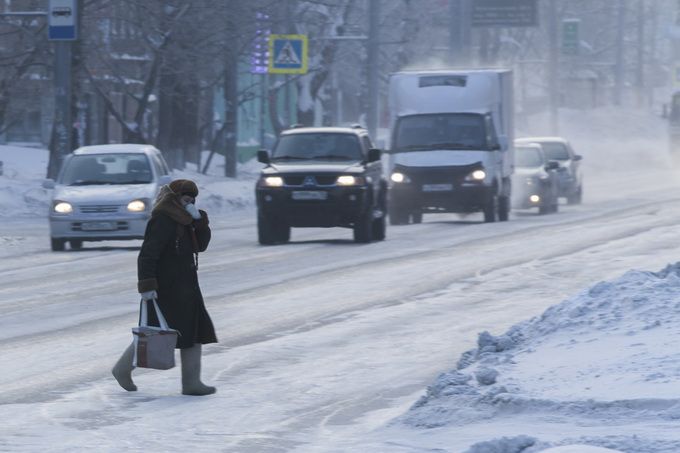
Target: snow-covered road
322 340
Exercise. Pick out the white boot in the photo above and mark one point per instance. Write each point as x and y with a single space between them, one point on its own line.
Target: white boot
122 370
191 372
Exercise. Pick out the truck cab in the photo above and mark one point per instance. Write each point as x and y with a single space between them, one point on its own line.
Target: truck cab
450 144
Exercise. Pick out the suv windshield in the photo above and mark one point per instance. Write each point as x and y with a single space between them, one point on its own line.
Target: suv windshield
528 156
82 170
440 131
318 146
555 151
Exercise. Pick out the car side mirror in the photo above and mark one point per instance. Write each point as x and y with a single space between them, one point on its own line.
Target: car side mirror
263 156
374 154
48 184
552 165
578 157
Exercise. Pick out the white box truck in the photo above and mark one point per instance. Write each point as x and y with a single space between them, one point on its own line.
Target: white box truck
451 139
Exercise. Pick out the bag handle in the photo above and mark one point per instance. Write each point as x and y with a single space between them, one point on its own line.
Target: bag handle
143 319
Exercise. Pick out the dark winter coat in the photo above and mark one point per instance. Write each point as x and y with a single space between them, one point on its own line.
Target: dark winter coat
168 262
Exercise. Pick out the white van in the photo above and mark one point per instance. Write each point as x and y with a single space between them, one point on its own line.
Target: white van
451 144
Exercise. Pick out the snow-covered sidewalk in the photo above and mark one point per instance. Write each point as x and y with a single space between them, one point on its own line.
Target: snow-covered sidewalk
599 369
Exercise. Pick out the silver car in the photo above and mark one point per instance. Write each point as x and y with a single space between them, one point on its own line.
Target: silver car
105 192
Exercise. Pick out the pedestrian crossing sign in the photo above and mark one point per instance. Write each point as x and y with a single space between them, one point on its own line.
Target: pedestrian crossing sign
287 54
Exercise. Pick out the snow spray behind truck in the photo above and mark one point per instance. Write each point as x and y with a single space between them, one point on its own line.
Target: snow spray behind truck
451 143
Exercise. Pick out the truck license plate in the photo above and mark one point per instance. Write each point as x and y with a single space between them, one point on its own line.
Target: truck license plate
310 195
97 226
437 187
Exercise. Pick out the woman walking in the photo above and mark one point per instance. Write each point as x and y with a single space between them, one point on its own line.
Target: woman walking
167 271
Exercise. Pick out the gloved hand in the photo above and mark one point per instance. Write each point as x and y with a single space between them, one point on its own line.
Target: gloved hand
149 295
191 209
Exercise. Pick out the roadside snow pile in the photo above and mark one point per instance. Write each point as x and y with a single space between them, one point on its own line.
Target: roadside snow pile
599 369
24 169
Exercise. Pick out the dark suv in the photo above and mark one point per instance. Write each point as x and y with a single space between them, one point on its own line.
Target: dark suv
321 177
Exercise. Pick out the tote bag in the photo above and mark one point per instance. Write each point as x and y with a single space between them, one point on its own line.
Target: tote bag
154 346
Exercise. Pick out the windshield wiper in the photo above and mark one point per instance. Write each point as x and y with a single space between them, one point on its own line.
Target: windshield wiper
89 183
289 158
133 181
452 145
333 157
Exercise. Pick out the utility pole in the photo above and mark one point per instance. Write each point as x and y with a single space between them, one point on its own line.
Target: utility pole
618 76
373 55
288 115
553 70
460 32
640 67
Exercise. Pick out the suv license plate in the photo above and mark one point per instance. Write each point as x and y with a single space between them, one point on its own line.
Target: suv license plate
310 195
437 187
97 226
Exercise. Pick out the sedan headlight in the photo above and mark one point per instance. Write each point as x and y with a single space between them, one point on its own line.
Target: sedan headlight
272 181
476 176
399 177
63 207
136 206
347 180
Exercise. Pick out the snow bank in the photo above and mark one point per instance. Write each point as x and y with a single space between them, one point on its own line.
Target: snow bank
24 169
607 360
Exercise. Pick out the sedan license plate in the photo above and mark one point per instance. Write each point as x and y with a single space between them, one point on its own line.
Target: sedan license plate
97 226
437 187
310 195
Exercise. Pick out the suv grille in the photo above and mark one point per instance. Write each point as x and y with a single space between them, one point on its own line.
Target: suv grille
100 208
321 180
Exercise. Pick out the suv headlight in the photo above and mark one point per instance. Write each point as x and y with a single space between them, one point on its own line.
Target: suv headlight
347 180
136 206
476 176
272 181
399 177
62 207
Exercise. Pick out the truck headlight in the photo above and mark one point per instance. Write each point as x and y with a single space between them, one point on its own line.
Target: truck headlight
62 207
347 180
399 177
272 181
136 206
476 176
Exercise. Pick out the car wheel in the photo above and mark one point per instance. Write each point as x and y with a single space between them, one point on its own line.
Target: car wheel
417 217
491 209
283 233
76 244
379 228
544 209
503 208
57 244
265 231
398 216
363 227
577 197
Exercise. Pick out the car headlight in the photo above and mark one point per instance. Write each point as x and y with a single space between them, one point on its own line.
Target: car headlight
399 177
136 206
347 180
272 181
63 207
477 176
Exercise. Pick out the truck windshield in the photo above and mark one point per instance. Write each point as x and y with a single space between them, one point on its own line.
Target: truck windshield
318 146
118 168
440 131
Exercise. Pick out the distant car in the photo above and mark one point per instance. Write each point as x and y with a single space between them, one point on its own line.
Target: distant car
535 182
105 192
321 177
571 177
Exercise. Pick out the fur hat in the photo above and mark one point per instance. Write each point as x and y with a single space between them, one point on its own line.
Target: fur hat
184 187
